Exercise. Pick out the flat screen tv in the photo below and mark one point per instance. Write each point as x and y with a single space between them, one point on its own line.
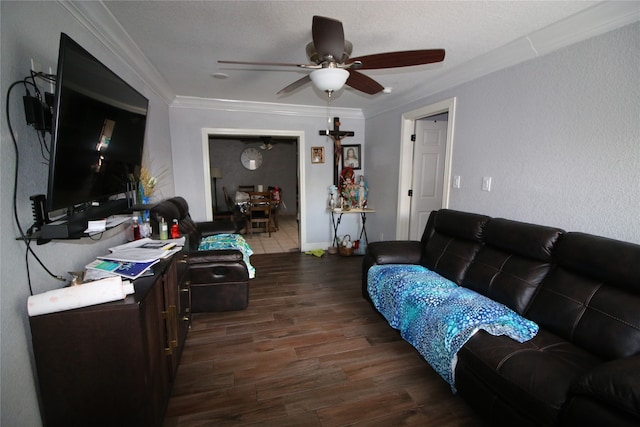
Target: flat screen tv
98 131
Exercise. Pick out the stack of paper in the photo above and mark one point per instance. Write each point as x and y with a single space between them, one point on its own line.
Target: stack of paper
130 270
134 259
150 243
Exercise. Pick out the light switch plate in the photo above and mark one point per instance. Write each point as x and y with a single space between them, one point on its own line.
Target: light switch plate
486 183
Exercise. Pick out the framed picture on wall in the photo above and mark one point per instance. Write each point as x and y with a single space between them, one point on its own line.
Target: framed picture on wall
317 154
351 156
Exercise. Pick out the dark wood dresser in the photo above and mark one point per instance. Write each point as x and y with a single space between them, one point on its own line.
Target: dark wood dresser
114 364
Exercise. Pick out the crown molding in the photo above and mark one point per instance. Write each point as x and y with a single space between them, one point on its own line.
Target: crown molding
264 107
98 20
596 20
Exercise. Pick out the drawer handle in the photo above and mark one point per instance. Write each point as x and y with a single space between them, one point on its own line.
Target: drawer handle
172 329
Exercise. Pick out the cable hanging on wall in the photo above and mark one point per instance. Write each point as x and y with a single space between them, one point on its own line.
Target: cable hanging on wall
23 235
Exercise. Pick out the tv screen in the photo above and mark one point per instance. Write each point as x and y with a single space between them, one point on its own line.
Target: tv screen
98 131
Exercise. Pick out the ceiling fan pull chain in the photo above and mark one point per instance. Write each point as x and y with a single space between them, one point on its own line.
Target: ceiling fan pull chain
328 111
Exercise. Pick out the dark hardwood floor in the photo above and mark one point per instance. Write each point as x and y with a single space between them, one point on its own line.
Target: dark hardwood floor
309 351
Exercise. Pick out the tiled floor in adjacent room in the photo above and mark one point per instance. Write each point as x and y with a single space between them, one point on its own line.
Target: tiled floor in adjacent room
283 240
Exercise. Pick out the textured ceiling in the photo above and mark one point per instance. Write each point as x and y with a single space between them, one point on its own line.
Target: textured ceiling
185 39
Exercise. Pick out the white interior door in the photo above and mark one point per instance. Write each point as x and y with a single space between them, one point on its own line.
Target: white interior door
428 172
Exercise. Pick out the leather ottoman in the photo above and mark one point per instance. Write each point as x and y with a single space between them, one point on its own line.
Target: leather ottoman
218 282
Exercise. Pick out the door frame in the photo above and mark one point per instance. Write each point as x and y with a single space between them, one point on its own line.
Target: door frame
233 132
406 165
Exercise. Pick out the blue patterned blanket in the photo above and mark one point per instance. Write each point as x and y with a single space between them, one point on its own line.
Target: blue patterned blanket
437 316
229 241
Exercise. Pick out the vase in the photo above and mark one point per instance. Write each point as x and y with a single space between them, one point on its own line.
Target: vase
145 213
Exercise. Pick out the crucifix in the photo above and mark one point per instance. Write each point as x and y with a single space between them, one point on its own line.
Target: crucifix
336 135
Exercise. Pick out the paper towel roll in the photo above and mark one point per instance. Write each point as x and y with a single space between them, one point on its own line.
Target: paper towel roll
98 292
260 188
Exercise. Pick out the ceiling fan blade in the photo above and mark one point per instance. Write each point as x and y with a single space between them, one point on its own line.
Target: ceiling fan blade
328 37
405 58
363 83
295 85
276 64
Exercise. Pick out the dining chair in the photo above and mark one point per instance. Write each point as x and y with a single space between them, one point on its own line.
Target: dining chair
260 211
276 200
222 212
231 205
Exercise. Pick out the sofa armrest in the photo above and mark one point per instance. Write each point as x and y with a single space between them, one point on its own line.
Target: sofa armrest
613 384
395 252
389 252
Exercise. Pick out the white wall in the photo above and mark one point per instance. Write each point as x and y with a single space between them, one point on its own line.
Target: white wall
32 30
189 117
559 135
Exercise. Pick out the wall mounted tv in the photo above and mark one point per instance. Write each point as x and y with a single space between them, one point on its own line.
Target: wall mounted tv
98 131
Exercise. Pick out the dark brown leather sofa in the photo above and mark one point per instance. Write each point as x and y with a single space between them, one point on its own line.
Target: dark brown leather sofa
583 366
218 279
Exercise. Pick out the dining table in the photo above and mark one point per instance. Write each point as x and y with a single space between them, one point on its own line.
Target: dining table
243 202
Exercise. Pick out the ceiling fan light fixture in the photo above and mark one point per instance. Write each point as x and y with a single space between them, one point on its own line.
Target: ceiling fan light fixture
329 79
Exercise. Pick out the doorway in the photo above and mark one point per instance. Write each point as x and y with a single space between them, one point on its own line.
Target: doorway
250 137
428 165
411 166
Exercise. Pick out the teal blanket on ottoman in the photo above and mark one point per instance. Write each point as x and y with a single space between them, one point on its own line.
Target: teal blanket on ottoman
229 241
437 316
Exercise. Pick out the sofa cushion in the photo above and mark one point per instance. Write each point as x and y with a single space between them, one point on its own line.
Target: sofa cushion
591 298
461 225
532 377
584 411
615 383
436 316
454 242
521 238
510 266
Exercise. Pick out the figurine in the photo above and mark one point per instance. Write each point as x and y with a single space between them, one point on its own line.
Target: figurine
333 196
362 193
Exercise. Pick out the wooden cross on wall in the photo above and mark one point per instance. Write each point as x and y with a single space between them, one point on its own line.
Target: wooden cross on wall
337 135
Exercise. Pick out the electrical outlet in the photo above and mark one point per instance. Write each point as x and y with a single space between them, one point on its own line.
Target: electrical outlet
456 181
35 66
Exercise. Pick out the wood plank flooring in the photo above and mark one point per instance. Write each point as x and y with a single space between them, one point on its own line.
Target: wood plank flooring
309 351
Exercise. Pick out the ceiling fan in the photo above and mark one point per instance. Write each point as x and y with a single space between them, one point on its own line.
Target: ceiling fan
329 53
